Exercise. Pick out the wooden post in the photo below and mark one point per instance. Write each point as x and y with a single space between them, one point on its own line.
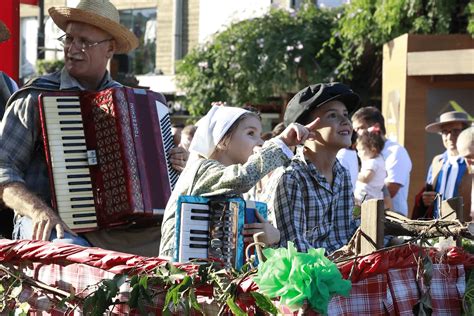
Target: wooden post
453 209
372 226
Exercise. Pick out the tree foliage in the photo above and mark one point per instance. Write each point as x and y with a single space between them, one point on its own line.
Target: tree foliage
282 51
365 25
259 58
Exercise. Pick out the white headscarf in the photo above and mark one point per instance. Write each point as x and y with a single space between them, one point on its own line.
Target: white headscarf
212 127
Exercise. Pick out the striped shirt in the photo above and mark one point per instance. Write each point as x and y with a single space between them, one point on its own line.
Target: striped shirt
307 209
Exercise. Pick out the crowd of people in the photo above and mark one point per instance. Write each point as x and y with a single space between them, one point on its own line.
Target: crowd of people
311 170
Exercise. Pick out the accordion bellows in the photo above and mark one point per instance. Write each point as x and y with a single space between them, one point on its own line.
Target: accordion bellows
107 154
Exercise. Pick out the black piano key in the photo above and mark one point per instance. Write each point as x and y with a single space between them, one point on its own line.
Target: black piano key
71 129
75 159
79 182
199 211
82 198
198 246
84 222
77 167
82 206
72 122
74 151
74 144
72 137
77 176
80 190
83 215
69 113
199 232
200 218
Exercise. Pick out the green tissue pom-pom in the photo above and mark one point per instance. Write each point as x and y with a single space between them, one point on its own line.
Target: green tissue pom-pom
295 277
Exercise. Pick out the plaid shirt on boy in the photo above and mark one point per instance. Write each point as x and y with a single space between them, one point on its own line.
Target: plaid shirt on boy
308 210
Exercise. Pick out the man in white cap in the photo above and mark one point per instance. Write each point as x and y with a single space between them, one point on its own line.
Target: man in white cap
93 34
465 146
448 174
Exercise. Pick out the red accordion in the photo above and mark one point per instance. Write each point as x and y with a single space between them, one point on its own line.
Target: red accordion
107 154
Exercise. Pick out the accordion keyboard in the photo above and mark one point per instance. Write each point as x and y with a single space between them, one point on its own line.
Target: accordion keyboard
194 231
70 162
165 125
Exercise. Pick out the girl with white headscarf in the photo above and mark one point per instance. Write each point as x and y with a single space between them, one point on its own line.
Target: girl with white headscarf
222 163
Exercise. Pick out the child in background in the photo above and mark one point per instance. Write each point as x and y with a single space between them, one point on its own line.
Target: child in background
222 162
370 181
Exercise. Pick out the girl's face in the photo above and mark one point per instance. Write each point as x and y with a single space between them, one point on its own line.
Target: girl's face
334 128
243 140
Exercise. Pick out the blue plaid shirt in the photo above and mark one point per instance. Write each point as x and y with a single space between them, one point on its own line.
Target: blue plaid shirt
307 209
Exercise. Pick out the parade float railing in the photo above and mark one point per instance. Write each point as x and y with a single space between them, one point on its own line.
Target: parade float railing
46 278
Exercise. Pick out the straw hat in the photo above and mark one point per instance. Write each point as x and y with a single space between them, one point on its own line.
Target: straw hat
448 117
101 14
4 33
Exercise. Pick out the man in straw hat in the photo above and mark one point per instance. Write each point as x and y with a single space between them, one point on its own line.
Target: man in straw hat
92 35
448 174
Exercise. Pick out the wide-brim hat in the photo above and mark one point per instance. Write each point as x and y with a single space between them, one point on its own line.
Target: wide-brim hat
101 14
448 117
4 32
317 95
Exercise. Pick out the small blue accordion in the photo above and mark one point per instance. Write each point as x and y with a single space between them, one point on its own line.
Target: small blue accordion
212 228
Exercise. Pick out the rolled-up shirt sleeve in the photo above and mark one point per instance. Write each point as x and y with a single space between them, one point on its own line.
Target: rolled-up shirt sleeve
18 136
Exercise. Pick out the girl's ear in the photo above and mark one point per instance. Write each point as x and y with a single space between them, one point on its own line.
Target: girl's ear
223 145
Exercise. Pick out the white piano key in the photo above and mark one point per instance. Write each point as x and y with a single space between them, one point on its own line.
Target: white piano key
186 254
64 173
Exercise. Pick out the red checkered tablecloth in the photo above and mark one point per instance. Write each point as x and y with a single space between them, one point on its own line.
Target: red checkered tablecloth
383 283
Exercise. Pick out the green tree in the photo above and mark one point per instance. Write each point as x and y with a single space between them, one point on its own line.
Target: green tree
259 58
365 25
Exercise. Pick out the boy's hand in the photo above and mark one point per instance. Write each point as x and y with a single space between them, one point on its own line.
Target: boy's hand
296 133
271 235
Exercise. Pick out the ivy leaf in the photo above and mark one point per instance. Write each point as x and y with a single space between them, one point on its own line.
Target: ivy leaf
144 282
133 301
193 302
234 307
264 303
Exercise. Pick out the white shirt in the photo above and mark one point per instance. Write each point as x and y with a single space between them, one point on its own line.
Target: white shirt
372 189
398 166
348 159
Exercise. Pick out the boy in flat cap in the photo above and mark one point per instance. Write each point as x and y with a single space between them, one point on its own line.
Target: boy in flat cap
93 34
312 204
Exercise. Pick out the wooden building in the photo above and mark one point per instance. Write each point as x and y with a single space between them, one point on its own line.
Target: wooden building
424 76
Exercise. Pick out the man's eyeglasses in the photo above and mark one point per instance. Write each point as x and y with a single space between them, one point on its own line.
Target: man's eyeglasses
83 45
454 131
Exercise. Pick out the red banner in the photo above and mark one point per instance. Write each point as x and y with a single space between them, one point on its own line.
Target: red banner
10 50
32 2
